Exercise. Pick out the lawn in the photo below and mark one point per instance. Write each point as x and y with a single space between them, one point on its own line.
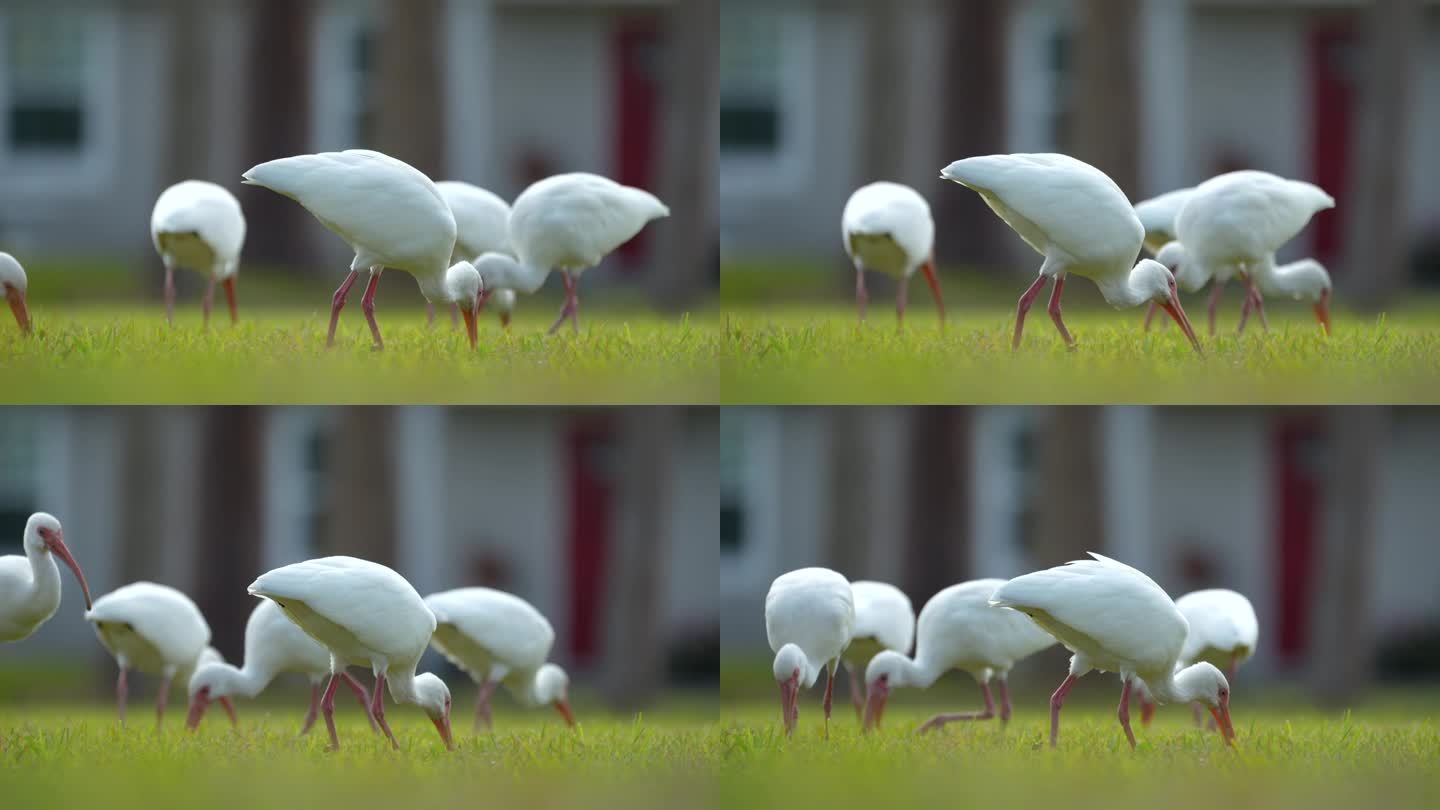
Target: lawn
78 756
807 353
90 353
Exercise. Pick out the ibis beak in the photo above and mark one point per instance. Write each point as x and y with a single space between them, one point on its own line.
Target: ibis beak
875 704
928 268
56 543
442 725
789 696
17 305
563 706
1322 311
469 315
198 704
1221 714
1177 312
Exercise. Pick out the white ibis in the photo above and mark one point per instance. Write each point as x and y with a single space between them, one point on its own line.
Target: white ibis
884 620
1077 218
1157 216
30 585
199 225
153 629
273 645
887 228
959 629
1116 619
363 611
389 213
497 637
569 222
1303 280
482 221
809 621
14 283
1233 223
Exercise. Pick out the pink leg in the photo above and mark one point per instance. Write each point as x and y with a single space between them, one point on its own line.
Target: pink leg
377 708
313 711
337 303
1216 289
855 696
229 285
1147 712
360 695
901 293
169 292
1004 701
1197 712
1124 713
229 711
327 708
941 719
1024 306
482 704
1253 301
862 298
208 300
161 698
829 694
367 305
1055 311
1056 701
430 314
122 693
571 309
1150 314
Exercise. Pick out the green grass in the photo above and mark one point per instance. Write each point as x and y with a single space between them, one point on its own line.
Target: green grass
818 354
1287 755
112 355
74 756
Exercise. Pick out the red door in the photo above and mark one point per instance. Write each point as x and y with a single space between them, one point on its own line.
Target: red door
587 449
1297 499
1333 65
637 107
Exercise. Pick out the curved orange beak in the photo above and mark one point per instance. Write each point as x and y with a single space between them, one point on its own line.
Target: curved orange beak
55 541
1173 308
563 706
789 697
198 704
442 725
1221 714
470 329
928 268
1322 311
875 704
17 305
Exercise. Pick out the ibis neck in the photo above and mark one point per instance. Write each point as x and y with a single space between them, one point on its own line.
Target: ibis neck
527 278
402 685
249 680
1118 290
45 575
921 672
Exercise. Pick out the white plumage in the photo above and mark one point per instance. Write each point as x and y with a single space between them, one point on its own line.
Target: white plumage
274 645
30 585
497 637
1081 222
809 621
153 629
199 225
363 611
570 222
1116 619
1223 628
14 283
1157 216
887 227
884 620
959 629
482 222
388 212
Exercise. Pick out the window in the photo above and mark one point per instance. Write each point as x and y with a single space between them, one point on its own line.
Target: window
363 68
1062 70
767 67
732 495
45 57
18 473
345 80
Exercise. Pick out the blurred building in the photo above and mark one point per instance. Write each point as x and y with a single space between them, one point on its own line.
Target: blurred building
522 499
1222 84
1195 497
86 101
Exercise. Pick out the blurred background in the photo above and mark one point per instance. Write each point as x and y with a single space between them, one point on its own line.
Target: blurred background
1323 517
602 518
819 98
104 103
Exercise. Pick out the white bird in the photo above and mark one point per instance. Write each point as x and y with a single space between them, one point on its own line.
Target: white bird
389 213
888 228
154 629
273 645
1116 619
884 620
1157 216
30 585
1233 224
1303 280
363 611
1077 218
497 637
959 629
199 225
1223 631
14 283
482 221
568 222
809 621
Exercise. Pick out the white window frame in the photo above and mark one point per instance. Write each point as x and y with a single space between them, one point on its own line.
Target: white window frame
94 164
789 167
335 85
